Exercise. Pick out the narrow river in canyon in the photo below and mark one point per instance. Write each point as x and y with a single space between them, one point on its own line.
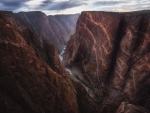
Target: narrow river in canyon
76 73
61 58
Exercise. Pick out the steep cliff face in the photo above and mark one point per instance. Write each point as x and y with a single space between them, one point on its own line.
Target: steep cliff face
129 108
56 29
111 52
32 78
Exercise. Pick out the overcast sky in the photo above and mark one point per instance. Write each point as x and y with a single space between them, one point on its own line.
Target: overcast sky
52 7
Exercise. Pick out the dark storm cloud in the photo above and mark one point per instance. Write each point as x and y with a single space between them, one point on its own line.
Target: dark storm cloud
11 4
62 5
45 3
107 3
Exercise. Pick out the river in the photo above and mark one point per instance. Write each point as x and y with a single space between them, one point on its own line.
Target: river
91 93
61 58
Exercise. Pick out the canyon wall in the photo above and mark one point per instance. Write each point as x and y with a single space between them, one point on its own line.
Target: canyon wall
56 29
111 52
32 78
108 56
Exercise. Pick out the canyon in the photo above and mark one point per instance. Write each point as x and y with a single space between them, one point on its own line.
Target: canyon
104 67
53 28
32 77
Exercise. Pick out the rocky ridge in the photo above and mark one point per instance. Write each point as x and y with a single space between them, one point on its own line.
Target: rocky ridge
56 29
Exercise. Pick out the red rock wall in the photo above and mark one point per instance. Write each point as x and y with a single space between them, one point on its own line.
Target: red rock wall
32 78
112 51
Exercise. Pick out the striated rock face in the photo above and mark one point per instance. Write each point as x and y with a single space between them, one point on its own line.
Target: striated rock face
111 52
129 108
32 78
56 29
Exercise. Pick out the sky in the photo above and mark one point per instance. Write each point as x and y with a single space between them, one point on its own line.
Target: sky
53 7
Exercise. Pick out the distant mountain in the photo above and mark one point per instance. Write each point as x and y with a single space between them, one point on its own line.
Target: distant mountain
56 29
110 53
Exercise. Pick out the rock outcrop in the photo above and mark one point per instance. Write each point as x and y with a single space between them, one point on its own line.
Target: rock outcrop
56 29
129 108
111 52
32 78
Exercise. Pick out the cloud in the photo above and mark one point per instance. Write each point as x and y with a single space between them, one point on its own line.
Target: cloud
106 3
134 5
11 4
45 3
61 5
73 6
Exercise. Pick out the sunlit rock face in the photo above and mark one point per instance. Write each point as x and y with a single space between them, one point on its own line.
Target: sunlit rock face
129 108
32 78
112 51
56 29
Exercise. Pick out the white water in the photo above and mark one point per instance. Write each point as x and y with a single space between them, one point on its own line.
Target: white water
69 71
61 58
61 54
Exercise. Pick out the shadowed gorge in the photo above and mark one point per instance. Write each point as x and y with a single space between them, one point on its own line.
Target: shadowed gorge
56 29
112 52
32 78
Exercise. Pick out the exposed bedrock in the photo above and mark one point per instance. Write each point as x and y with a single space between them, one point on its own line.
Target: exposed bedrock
111 51
32 78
